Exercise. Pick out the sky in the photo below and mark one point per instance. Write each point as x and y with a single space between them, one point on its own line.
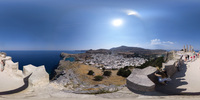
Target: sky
95 24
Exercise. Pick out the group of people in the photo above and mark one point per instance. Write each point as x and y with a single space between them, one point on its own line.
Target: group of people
163 78
191 57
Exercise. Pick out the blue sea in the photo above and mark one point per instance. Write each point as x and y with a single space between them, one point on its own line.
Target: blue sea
48 58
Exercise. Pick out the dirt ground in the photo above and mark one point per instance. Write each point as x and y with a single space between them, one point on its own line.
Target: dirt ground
114 79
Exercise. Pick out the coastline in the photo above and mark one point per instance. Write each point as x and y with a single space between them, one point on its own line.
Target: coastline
55 91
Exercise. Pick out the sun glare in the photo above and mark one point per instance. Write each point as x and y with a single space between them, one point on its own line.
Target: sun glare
117 22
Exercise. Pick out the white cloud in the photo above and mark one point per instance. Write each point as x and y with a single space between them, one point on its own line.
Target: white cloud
132 12
156 42
159 42
168 42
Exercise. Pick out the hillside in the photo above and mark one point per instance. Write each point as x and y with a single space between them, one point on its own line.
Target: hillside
128 51
136 50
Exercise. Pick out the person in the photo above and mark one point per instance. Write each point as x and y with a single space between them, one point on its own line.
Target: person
185 58
188 57
2 65
162 77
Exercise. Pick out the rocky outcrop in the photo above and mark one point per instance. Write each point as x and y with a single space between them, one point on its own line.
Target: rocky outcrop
39 76
77 57
139 80
67 77
98 89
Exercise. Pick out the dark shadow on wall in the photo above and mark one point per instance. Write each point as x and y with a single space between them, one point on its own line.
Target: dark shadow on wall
18 89
177 80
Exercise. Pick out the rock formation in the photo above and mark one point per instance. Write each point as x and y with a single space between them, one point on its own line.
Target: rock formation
67 76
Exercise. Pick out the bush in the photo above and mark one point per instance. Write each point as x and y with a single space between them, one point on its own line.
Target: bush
154 62
98 78
107 73
124 72
120 71
103 69
91 72
126 67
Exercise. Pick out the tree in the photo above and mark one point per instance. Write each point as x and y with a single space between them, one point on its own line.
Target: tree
103 69
124 72
120 71
107 73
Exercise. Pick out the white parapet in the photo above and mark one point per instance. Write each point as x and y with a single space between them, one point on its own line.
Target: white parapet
39 76
139 79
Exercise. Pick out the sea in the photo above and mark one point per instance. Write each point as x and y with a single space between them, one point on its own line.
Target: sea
50 59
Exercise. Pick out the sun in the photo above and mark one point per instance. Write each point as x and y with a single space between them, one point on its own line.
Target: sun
117 22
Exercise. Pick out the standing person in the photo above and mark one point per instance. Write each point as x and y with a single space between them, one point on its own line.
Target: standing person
196 56
185 58
2 65
188 57
191 58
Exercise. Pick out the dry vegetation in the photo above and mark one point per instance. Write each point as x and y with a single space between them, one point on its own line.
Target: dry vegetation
82 70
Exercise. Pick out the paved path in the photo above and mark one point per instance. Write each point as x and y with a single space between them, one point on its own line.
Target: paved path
187 81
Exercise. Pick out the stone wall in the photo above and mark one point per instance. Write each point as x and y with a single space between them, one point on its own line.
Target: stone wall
172 66
139 79
145 80
39 76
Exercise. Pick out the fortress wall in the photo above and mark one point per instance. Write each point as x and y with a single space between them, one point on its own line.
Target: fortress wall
137 87
145 80
39 76
172 68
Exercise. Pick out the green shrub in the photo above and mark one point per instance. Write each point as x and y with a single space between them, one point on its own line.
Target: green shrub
91 72
98 78
124 72
103 69
107 73
154 62
126 67
120 71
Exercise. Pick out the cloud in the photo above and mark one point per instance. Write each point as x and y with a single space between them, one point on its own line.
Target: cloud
168 42
132 12
159 42
156 42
